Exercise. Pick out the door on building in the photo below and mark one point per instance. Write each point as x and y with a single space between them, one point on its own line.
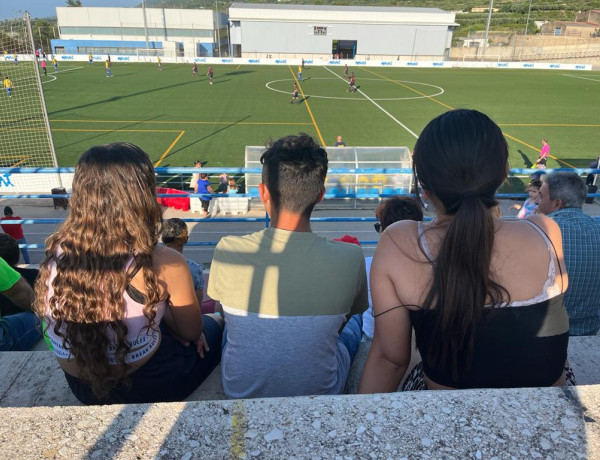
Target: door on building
343 49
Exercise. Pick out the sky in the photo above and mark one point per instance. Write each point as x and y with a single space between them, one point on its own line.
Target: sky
46 8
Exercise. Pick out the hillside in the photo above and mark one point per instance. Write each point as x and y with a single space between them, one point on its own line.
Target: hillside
511 17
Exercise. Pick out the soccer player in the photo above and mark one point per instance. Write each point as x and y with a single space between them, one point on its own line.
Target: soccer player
16 59
299 73
195 70
8 85
295 94
159 63
346 71
44 67
90 59
108 69
55 64
352 86
210 74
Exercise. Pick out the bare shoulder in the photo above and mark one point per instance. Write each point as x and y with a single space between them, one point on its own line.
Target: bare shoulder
399 237
548 225
167 259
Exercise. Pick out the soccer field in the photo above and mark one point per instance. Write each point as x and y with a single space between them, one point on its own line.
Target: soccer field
178 118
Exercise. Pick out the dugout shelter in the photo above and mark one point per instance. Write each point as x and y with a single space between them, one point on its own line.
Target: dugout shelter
344 177
261 30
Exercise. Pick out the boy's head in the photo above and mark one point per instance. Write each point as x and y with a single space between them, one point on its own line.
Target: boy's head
534 188
175 233
294 170
8 211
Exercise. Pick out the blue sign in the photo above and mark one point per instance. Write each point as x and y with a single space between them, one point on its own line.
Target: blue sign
66 57
334 62
253 61
438 64
200 60
412 63
503 64
580 67
386 62
5 181
555 66
308 61
280 61
360 62
227 61
528 66
123 58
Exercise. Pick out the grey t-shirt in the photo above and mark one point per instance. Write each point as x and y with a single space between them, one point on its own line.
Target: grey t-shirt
285 296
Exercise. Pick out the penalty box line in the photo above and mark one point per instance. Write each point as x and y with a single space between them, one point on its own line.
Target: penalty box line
377 105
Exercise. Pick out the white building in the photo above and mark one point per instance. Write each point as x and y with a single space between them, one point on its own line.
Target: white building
168 32
353 32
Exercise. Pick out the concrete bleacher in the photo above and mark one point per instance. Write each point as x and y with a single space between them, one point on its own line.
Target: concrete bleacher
517 423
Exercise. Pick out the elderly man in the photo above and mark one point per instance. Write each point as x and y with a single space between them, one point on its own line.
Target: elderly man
561 198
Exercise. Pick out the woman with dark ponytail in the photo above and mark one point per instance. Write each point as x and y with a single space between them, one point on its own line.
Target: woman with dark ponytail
484 316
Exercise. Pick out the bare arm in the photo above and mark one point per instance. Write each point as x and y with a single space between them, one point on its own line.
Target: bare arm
21 294
185 318
389 356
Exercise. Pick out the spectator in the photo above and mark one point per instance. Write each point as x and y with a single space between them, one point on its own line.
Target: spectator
105 285
389 211
561 198
232 188
223 182
175 236
9 251
195 177
286 292
19 331
465 282
16 231
530 203
204 187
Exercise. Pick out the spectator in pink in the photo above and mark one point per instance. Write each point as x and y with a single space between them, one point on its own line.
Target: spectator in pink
16 231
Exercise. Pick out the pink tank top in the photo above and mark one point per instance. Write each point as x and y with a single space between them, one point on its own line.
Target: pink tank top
142 339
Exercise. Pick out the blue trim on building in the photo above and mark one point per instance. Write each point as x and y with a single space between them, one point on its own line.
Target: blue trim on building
72 46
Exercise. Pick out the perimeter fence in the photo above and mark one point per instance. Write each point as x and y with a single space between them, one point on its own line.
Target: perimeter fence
366 194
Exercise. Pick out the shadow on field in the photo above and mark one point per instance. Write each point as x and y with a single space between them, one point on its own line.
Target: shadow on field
94 136
206 137
526 161
218 82
577 162
239 72
118 98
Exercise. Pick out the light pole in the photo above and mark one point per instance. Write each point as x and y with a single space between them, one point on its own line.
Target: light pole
145 23
487 28
526 27
218 23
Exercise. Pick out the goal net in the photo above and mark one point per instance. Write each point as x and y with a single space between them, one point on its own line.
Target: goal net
25 138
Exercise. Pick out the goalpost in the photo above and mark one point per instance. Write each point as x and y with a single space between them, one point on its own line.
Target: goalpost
25 137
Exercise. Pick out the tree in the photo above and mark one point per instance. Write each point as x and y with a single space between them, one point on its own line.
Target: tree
74 3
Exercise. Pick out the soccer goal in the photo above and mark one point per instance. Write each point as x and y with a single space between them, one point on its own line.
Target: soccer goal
25 138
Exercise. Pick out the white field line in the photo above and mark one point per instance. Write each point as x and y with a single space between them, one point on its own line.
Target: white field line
582 78
377 105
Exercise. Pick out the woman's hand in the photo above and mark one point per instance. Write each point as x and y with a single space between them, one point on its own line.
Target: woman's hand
202 345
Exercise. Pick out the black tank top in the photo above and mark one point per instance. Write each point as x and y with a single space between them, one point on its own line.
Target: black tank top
514 346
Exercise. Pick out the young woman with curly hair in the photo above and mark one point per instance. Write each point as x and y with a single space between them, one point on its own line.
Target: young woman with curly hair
121 311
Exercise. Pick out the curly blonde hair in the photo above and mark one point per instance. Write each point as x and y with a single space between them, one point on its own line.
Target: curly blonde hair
114 216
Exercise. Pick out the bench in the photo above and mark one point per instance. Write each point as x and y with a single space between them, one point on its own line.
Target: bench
33 378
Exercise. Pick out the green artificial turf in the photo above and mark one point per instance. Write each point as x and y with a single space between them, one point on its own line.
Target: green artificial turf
172 114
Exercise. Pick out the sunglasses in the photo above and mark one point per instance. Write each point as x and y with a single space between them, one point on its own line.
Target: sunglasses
377 226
